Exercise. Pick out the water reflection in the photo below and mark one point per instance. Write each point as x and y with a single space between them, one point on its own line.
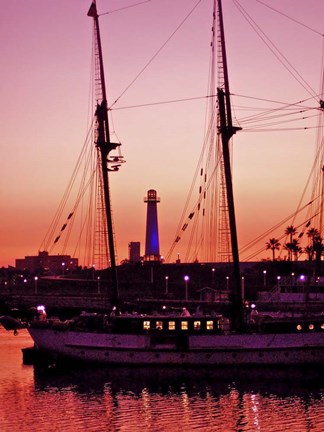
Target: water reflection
168 399
282 382
156 399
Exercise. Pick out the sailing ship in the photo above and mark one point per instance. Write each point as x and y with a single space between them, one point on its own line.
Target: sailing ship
177 338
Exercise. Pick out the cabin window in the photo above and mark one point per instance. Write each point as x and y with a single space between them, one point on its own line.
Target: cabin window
299 327
159 325
197 325
184 325
146 325
172 325
209 325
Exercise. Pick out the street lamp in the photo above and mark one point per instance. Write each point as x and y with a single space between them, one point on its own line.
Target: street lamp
264 278
63 266
98 282
36 279
227 280
278 281
186 279
166 285
242 288
213 276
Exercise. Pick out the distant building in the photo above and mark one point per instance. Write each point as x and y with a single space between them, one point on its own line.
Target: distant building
134 249
52 263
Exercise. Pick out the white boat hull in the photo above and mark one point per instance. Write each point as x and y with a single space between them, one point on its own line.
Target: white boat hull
217 350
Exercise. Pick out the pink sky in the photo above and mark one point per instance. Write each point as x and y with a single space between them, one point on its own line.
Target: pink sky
45 75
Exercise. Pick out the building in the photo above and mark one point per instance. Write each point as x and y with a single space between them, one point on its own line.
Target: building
134 249
58 264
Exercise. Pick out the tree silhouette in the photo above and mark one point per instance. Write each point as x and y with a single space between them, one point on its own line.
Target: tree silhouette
309 250
273 244
290 231
296 248
316 245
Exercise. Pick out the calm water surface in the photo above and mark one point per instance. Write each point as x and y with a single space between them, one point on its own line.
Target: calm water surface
155 400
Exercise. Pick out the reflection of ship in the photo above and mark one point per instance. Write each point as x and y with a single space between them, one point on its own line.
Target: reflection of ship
174 339
279 381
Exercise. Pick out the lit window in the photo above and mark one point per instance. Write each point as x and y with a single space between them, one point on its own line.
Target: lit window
299 327
322 326
184 325
171 325
210 325
159 325
146 325
197 325
311 327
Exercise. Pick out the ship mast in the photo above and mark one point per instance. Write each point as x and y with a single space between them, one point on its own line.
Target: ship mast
105 146
227 130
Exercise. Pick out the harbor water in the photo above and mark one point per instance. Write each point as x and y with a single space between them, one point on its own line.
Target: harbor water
155 399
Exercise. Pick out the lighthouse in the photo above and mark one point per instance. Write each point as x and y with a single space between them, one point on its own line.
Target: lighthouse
152 245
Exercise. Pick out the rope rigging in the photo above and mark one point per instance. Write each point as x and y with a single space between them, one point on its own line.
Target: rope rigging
155 54
272 120
204 210
275 50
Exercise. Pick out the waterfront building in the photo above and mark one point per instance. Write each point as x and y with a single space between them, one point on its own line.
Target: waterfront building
58 264
134 249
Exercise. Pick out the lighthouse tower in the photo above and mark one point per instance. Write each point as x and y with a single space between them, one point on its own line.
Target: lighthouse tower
152 246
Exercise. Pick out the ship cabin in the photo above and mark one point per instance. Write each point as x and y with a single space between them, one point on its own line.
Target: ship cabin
168 324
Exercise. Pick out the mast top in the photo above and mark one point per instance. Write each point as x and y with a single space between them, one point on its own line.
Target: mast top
93 10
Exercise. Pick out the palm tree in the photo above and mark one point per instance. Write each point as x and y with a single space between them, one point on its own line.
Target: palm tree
296 249
317 246
315 239
274 245
318 249
309 250
312 233
290 231
290 248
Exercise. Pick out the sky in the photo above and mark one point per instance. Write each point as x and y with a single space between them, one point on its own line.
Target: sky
44 110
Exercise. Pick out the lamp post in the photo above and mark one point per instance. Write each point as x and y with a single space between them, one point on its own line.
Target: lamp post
35 279
242 288
98 282
166 285
63 268
278 281
213 276
186 279
264 278
227 281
